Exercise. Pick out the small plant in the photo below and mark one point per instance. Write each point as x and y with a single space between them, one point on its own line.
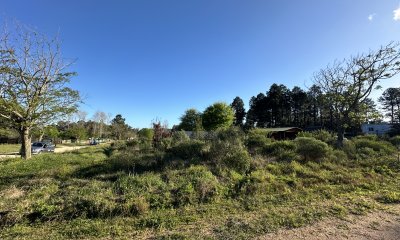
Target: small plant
389 197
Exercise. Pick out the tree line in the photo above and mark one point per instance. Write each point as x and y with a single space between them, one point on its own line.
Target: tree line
34 94
338 99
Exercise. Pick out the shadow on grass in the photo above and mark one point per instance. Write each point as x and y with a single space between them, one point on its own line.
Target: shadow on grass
111 168
17 180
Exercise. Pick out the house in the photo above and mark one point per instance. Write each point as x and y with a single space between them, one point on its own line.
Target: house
376 128
283 133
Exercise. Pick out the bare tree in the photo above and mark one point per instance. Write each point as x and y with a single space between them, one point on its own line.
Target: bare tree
33 80
101 118
347 84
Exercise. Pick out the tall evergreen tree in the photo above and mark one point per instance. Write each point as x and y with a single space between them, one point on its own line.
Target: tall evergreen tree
390 101
239 110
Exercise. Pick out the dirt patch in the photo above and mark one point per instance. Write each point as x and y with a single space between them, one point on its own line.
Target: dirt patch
67 148
12 193
376 225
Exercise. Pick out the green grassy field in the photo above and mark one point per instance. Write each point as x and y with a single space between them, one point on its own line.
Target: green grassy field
9 148
104 192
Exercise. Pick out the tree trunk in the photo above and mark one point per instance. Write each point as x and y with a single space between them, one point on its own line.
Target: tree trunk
41 136
26 143
340 136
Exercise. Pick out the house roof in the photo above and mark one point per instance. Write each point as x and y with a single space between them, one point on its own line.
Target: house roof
284 129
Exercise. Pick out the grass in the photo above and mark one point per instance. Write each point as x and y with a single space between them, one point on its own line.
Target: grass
9 148
85 194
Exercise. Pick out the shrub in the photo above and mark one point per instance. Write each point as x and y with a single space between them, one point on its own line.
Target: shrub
195 184
141 190
338 156
257 139
115 147
350 149
188 149
232 134
134 162
281 150
370 145
311 148
395 141
137 206
322 135
179 137
119 145
238 160
258 182
389 197
230 155
132 143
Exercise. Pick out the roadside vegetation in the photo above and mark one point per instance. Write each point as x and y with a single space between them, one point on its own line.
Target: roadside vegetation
224 185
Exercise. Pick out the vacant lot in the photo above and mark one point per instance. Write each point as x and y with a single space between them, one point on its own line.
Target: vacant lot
122 192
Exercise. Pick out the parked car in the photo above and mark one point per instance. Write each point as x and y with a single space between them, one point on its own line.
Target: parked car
40 147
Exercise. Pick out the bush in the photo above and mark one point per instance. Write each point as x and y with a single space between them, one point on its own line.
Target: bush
141 190
282 150
350 149
238 160
137 206
257 139
232 134
134 162
311 149
322 135
395 141
188 149
258 182
193 185
230 155
338 156
389 197
371 145
179 137
115 147
119 145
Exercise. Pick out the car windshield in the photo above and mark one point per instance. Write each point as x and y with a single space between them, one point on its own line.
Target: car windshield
37 145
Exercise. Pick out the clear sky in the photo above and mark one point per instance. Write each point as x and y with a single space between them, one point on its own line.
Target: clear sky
155 58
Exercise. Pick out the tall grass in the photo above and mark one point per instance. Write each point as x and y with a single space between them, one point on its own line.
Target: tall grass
217 188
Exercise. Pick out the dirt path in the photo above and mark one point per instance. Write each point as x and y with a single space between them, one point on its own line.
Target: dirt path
61 149
68 148
376 225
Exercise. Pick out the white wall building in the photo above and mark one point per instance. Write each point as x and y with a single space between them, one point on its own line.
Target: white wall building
378 128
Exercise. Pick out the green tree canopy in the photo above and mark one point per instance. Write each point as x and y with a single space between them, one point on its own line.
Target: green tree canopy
119 128
218 115
190 120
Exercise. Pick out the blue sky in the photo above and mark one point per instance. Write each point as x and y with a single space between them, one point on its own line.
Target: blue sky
153 59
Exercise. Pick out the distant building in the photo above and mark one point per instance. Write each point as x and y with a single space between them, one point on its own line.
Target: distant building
376 128
283 133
